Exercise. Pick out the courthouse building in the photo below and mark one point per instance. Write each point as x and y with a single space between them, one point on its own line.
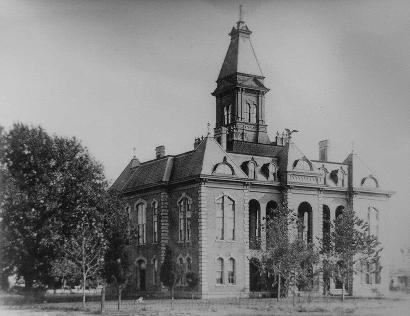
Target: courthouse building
210 204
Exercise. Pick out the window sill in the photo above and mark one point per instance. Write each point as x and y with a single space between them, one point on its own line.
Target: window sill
223 240
225 285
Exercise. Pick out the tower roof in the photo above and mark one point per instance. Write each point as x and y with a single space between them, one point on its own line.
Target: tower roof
240 57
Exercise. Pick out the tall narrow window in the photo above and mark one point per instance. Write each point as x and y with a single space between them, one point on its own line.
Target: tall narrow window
247 112
220 220
184 220
252 114
231 271
225 218
229 113
189 264
141 223
182 271
226 118
154 271
154 221
220 271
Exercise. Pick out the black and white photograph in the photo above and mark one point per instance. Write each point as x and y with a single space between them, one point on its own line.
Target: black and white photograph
204 157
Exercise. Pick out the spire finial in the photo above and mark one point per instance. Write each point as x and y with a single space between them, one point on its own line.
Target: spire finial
134 150
241 21
208 127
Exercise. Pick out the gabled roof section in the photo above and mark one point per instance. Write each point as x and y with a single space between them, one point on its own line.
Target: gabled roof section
214 155
123 178
240 57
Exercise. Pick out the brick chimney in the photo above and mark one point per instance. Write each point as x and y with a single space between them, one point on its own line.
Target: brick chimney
324 150
160 151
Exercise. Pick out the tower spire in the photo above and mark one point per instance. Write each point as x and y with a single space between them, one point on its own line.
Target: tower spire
241 20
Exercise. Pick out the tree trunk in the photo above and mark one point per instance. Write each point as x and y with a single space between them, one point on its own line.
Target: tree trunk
119 297
278 296
343 291
83 267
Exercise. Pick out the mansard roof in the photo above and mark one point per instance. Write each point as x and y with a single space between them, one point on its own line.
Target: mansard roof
240 57
251 148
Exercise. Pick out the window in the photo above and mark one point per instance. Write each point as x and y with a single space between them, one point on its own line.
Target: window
219 271
184 220
225 218
189 264
225 115
141 223
373 221
252 170
252 114
229 113
181 267
155 222
231 271
154 271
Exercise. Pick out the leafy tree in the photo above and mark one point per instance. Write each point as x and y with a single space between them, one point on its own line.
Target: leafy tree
65 271
51 187
352 246
168 274
287 258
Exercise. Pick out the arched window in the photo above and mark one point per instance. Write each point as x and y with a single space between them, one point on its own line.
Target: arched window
155 227
181 268
271 225
184 220
225 218
254 224
189 264
231 271
373 221
219 271
154 271
305 222
339 211
252 116
247 112
326 227
229 113
141 223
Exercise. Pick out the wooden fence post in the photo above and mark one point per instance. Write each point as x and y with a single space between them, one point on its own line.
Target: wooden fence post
102 299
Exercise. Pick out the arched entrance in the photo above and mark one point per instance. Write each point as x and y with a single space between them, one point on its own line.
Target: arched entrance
271 214
254 224
305 222
141 275
255 280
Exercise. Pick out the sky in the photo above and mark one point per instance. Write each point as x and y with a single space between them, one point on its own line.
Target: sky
137 74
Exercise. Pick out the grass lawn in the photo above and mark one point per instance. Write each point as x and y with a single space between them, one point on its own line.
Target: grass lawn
391 306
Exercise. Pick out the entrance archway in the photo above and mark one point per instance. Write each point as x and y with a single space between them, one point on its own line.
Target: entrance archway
255 280
141 275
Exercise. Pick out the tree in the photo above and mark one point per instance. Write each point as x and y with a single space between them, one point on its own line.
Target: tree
52 186
289 259
65 271
86 249
352 246
168 274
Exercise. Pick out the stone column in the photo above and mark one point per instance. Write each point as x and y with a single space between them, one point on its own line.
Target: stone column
246 235
164 232
203 242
